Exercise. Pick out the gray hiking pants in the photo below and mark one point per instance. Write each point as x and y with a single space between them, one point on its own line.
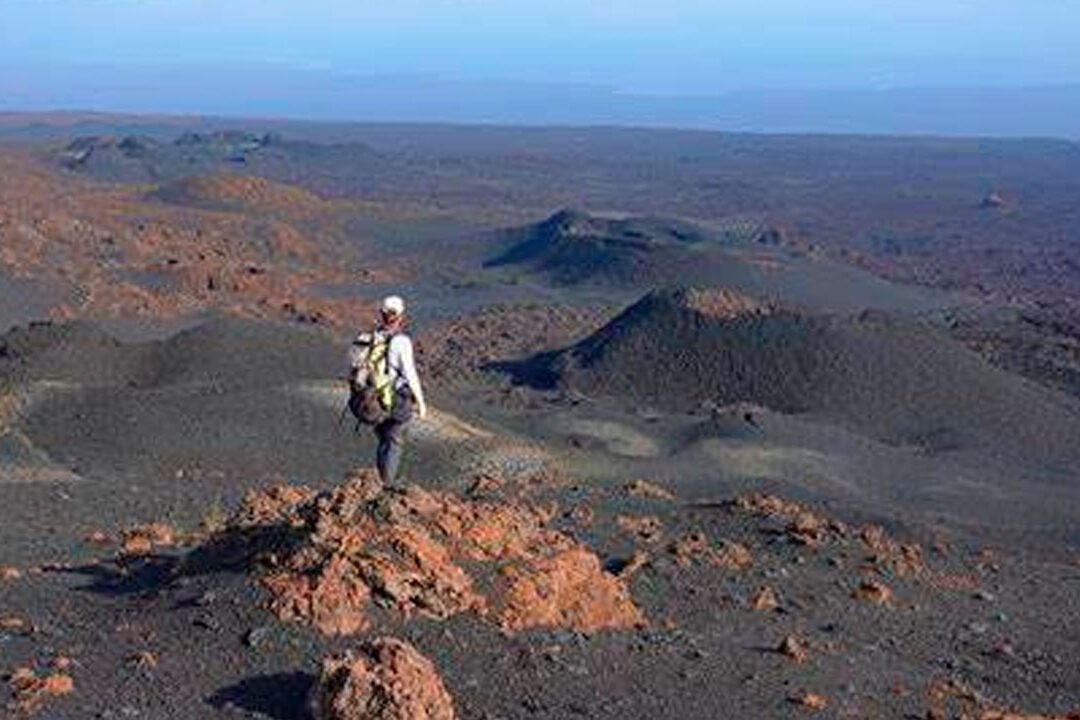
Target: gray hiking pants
390 434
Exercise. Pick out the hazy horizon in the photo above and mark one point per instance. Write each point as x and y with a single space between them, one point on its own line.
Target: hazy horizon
841 65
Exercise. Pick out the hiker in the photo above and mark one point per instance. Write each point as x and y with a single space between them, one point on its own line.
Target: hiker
385 387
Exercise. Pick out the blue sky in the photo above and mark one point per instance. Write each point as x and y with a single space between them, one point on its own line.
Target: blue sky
653 46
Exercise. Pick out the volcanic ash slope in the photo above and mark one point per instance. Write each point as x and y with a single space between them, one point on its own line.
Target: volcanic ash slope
897 380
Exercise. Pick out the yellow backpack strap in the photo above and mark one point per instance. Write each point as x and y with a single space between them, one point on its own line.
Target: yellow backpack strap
379 360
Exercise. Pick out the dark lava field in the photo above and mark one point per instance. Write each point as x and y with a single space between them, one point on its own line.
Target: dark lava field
722 425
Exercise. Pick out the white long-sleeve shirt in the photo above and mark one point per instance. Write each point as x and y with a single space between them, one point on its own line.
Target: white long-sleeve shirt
401 365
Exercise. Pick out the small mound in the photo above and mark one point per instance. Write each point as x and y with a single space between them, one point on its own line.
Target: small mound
74 351
221 350
895 379
228 191
386 679
428 553
572 246
78 152
228 350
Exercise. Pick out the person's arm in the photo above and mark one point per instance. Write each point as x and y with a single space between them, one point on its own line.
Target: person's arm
408 367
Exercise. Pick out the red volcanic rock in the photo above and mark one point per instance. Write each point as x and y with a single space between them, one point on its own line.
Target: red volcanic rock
30 690
804 526
568 589
647 529
810 701
142 540
874 592
144 660
794 647
764 600
903 559
696 547
98 537
430 553
385 679
12 623
732 555
582 514
271 505
689 548
129 255
648 490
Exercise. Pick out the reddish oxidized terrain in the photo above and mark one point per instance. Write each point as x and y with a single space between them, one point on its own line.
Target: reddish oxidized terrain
748 499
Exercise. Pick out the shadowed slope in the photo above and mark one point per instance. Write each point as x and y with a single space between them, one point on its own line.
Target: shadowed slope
896 380
573 246
222 351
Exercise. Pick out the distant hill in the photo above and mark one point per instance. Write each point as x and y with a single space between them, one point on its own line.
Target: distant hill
573 246
222 352
896 380
66 352
242 193
145 158
137 158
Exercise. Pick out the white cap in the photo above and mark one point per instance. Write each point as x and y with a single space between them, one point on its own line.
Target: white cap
393 305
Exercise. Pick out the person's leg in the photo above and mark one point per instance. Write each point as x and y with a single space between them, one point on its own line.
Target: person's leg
397 427
391 436
382 448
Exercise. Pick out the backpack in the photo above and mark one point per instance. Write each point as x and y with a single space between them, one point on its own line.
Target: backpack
371 388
